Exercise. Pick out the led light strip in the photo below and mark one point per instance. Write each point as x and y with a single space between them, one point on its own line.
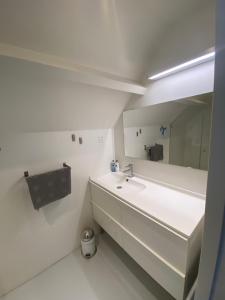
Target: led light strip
188 64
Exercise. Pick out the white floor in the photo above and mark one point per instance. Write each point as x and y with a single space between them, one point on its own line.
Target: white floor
110 275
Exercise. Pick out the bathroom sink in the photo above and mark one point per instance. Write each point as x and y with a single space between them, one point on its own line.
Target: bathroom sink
120 183
129 185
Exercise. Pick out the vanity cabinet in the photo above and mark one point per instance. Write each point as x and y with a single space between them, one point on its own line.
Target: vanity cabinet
166 255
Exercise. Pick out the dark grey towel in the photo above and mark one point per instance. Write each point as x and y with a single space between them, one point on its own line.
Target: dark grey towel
49 187
156 152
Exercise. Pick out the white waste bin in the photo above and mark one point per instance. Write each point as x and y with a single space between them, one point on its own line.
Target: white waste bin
88 245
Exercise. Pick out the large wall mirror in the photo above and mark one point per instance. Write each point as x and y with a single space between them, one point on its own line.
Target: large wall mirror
175 132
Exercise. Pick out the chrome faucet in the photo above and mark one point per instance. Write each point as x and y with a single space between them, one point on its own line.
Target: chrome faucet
129 169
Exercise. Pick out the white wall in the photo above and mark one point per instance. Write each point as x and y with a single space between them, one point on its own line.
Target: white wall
37 116
32 240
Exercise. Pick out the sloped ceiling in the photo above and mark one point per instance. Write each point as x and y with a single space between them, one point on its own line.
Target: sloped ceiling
114 36
35 98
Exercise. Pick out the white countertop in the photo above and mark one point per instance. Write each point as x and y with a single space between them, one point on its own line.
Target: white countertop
176 209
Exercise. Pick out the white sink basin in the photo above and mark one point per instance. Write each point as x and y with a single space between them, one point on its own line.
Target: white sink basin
129 185
120 183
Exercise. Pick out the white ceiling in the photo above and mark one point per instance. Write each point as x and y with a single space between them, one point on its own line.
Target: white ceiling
114 36
36 98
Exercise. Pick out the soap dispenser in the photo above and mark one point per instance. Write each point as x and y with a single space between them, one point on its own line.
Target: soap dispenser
113 166
117 166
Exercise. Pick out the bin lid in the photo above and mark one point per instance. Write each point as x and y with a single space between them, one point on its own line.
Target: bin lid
87 235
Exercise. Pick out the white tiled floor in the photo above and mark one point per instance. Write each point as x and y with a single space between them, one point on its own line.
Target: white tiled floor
110 275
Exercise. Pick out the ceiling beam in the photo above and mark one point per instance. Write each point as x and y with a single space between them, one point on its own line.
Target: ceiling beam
77 73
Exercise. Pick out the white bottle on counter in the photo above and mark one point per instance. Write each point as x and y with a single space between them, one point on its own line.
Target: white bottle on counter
117 166
113 166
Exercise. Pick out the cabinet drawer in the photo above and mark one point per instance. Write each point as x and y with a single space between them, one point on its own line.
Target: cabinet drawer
170 246
167 277
173 281
106 201
113 229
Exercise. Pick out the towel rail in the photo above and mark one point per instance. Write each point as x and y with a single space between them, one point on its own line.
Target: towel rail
26 173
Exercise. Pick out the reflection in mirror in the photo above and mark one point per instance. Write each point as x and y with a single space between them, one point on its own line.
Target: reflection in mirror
175 132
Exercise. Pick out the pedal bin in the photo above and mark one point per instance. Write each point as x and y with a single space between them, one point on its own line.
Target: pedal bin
88 245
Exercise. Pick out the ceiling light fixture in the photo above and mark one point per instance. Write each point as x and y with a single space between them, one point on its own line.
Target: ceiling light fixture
188 64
